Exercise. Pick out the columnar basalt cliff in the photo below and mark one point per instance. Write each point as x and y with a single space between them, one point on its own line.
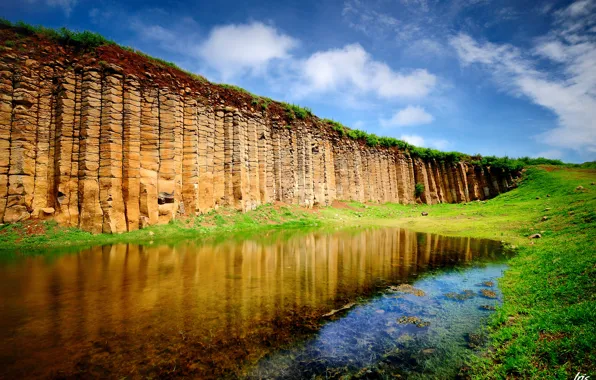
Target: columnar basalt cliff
109 142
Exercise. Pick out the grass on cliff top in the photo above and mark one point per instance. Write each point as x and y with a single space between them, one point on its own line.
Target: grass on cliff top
546 327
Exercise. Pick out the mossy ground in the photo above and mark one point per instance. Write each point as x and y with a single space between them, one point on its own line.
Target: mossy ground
546 327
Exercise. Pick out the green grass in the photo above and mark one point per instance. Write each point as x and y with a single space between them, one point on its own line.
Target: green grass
294 111
48 236
547 325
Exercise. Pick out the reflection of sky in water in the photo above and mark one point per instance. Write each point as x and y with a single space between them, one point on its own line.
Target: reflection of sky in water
370 336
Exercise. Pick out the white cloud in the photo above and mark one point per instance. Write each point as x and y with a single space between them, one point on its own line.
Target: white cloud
568 89
554 154
235 49
181 39
440 144
422 142
578 8
413 139
66 5
352 68
409 116
358 124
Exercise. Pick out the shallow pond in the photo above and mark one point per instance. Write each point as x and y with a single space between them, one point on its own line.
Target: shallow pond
259 307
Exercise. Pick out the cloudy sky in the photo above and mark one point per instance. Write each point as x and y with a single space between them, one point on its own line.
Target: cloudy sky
502 77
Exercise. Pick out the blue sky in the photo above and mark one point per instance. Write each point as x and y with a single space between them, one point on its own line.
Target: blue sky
502 77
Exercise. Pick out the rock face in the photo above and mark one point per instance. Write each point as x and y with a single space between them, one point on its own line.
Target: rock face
104 150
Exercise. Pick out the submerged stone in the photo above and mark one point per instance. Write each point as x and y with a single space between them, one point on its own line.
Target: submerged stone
475 340
413 321
408 289
465 295
488 293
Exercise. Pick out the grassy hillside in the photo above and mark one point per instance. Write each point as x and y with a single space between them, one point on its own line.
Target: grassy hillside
547 325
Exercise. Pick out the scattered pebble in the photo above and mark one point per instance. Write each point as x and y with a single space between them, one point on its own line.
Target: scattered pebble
407 288
488 293
475 340
465 295
413 321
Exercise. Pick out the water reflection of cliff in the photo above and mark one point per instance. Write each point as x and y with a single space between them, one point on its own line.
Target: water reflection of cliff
197 309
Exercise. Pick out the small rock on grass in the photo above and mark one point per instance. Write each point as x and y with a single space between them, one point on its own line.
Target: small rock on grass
535 236
425 214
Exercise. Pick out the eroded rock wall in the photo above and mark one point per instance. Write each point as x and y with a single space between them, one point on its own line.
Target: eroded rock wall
105 151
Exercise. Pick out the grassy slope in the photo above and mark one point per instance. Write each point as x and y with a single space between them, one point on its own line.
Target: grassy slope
547 325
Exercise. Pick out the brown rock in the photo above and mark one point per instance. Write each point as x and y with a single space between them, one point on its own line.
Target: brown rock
535 236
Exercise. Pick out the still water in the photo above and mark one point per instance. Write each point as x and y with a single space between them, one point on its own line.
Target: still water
255 307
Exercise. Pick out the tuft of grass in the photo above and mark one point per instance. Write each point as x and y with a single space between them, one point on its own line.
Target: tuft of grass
85 40
236 88
294 111
337 126
418 189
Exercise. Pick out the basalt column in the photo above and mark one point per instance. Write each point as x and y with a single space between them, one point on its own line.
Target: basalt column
169 131
21 173
91 213
210 139
150 155
131 151
190 159
110 156
42 206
